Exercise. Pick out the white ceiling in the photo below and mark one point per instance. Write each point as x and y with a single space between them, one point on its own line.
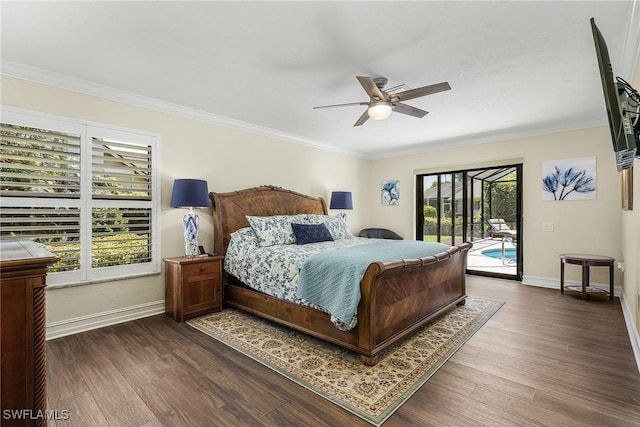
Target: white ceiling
516 68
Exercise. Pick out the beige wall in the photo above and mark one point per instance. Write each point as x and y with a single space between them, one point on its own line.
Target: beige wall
231 159
631 242
631 252
587 226
228 159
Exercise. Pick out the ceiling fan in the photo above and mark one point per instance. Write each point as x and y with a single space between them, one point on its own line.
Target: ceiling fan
382 102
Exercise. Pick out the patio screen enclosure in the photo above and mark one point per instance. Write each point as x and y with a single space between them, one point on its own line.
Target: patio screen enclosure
455 207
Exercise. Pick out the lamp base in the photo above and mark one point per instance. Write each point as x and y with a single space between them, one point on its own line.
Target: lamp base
190 222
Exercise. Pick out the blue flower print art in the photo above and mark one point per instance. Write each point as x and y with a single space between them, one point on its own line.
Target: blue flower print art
390 193
569 179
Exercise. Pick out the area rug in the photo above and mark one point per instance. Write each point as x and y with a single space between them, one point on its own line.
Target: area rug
373 393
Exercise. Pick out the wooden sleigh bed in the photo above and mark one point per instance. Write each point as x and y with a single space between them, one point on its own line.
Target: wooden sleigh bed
396 297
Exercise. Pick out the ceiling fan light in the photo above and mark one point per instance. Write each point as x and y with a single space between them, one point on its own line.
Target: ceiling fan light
379 110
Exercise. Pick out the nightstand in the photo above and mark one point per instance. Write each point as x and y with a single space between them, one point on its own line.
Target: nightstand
193 286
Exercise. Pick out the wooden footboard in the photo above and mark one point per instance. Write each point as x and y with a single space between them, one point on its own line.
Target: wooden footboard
400 296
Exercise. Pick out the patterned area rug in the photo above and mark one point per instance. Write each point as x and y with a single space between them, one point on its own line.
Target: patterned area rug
373 393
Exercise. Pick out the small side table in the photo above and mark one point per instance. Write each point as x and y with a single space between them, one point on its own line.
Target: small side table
193 286
587 261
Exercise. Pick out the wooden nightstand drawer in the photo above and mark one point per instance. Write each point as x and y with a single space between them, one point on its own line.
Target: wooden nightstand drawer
201 269
193 286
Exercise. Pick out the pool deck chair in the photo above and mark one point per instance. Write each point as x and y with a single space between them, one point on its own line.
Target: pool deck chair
500 230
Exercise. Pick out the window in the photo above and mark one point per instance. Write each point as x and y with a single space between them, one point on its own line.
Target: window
88 192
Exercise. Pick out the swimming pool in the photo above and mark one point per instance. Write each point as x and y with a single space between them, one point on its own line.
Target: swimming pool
509 253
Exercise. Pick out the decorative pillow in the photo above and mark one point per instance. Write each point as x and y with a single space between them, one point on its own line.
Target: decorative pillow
311 233
338 228
273 230
247 235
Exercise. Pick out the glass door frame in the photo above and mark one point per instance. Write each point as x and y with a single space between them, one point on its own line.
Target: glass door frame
467 210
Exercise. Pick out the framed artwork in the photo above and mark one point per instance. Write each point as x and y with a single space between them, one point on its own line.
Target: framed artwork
569 179
390 193
626 177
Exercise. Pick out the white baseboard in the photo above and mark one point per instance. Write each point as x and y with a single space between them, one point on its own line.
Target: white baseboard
634 337
541 282
99 320
545 282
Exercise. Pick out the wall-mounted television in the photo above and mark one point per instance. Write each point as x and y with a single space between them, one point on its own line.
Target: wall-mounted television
622 102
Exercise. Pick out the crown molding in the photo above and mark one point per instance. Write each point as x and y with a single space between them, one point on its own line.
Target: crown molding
498 136
38 75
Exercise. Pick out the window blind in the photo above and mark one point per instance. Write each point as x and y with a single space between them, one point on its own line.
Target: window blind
120 236
39 163
120 170
58 228
88 193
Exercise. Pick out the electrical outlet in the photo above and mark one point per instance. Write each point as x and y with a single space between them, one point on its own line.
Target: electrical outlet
547 226
620 266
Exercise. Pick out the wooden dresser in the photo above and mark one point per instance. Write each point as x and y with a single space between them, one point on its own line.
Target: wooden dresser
23 270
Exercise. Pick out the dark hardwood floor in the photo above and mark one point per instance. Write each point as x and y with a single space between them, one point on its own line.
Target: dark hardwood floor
544 359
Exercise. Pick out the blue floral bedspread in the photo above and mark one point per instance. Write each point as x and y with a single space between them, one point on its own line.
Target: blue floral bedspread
275 270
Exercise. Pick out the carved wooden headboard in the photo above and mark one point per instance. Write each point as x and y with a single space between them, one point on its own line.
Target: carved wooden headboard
230 209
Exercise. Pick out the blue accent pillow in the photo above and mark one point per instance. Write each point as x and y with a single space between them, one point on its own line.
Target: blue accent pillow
311 233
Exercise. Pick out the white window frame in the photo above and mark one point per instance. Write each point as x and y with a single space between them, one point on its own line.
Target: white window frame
87 129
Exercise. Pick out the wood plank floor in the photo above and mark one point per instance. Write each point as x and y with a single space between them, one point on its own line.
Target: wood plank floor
544 359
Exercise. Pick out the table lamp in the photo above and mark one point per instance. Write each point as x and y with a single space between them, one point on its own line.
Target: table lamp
341 200
190 193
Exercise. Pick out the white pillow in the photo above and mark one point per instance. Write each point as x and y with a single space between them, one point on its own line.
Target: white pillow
246 235
338 228
274 230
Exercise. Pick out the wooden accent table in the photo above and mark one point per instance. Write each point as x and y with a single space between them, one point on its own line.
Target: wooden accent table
587 261
193 286
23 371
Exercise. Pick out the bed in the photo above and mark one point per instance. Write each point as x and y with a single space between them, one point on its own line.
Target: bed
397 296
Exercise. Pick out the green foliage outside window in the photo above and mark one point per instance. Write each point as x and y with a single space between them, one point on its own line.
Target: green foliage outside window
503 201
500 200
43 163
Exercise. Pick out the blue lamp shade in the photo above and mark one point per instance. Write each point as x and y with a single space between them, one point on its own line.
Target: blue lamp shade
190 193
341 200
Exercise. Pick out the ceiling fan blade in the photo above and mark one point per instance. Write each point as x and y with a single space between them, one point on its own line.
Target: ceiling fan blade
349 104
409 110
370 87
421 91
363 118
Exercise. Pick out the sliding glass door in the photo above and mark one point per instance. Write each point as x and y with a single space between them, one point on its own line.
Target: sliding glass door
482 206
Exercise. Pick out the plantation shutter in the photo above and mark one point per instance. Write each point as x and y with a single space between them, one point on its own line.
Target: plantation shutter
56 227
121 187
40 188
120 170
120 236
87 193
39 163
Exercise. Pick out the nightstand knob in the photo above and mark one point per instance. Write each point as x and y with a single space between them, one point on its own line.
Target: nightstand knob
201 268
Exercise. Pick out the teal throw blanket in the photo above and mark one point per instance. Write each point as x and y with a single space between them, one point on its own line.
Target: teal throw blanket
332 279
